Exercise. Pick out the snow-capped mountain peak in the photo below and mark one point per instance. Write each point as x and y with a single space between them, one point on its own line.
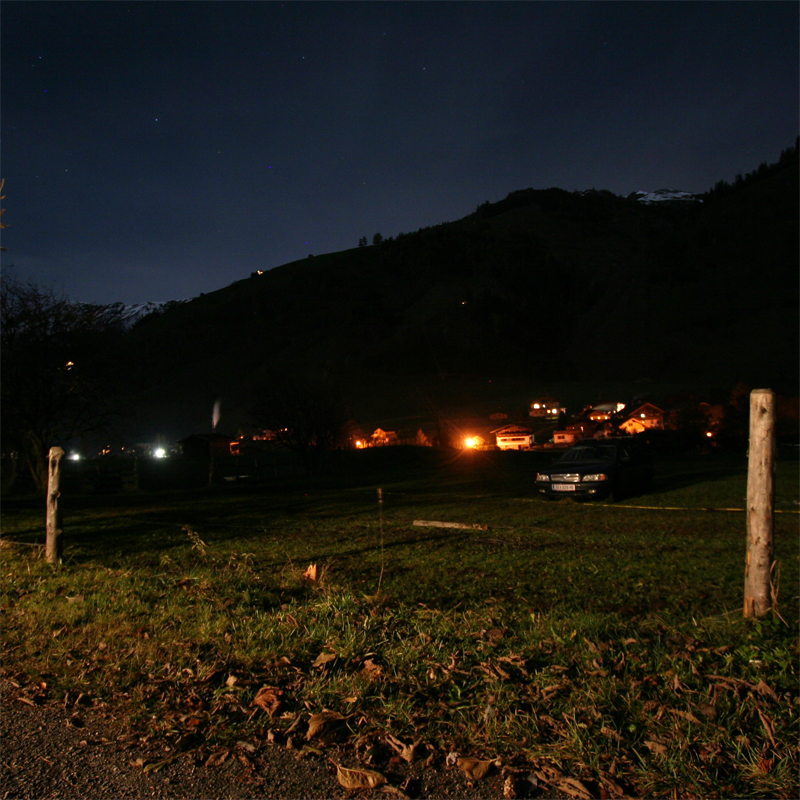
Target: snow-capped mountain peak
665 195
130 313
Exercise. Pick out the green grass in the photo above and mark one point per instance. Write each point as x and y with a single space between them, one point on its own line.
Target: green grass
604 642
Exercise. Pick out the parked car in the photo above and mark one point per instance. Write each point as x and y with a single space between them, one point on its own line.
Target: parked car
598 469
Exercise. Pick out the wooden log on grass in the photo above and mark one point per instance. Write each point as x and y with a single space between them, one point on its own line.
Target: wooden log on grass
427 523
53 525
760 504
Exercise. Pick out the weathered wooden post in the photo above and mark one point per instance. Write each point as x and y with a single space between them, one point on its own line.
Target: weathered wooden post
53 542
760 497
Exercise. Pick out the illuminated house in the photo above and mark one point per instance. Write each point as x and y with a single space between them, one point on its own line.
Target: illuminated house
646 417
604 411
514 437
564 438
546 407
382 437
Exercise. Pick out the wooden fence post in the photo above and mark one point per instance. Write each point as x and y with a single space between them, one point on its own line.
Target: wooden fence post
760 497
53 543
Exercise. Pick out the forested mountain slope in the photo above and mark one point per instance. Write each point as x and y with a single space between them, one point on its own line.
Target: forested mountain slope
545 285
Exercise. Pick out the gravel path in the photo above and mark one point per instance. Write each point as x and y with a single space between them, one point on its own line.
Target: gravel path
49 752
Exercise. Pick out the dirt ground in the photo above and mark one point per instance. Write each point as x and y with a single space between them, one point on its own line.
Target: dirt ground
50 752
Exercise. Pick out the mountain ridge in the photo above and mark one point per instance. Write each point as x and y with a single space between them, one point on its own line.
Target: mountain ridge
542 286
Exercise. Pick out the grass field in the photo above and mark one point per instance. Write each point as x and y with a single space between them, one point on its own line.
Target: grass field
602 645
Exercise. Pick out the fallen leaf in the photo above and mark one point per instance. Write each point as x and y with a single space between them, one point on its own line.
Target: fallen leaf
405 751
269 699
655 747
358 778
612 734
687 715
769 726
231 681
311 573
495 635
574 788
763 689
394 791
474 768
372 669
316 722
155 766
707 710
612 786
218 758
323 658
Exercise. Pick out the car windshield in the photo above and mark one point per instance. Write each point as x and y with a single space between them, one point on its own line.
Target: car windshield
595 452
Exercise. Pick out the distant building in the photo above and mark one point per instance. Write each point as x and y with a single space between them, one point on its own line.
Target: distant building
584 428
605 411
565 438
646 417
546 407
514 437
381 438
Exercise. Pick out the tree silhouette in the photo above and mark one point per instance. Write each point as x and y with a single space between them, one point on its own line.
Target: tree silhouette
60 364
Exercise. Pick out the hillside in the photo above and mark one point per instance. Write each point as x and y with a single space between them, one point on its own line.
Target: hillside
543 286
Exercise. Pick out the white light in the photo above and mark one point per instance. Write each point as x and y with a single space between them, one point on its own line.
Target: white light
160 452
470 442
74 457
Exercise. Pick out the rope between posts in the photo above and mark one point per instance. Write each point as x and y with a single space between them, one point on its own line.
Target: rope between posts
27 544
684 508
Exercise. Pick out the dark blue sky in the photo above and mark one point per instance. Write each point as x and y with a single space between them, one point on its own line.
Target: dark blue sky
153 151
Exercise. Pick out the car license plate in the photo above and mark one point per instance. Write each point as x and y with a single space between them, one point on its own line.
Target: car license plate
563 487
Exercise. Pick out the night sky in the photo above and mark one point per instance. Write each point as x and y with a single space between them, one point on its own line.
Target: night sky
154 151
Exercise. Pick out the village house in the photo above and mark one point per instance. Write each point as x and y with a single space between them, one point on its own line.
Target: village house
583 428
604 411
646 417
565 438
546 407
514 437
382 438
